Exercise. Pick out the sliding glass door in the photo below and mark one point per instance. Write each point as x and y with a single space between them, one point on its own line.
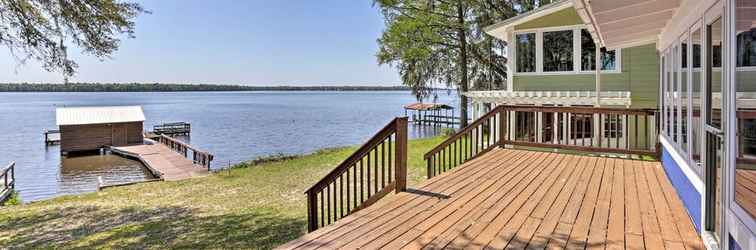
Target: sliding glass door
713 129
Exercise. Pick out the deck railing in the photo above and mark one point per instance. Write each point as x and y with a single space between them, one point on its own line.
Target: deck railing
473 140
592 129
373 171
199 157
8 175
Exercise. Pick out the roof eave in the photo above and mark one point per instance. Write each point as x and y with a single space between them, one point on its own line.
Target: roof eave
499 28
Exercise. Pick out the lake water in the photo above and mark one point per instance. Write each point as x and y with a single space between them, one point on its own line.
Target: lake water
234 126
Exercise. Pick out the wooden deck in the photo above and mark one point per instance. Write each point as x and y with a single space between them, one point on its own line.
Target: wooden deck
523 199
163 162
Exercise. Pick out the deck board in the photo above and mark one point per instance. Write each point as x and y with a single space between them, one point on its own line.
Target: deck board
163 162
519 199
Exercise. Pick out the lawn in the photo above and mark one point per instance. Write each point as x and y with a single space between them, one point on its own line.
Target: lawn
262 206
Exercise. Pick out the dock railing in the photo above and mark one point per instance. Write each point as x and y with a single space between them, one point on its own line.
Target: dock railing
373 171
199 157
174 128
8 175
588 129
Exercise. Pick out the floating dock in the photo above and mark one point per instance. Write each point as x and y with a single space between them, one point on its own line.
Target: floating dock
163 162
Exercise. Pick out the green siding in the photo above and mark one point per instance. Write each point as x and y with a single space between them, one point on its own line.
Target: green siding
563 17
640 76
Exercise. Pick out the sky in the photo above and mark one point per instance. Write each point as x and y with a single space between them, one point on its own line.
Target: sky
252 42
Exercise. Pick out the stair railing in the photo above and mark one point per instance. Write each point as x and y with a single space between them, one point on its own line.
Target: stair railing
370 173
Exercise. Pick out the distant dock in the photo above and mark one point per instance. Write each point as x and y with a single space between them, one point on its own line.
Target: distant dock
173 128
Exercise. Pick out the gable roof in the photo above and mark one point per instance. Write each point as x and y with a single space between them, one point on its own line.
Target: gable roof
98 115
499 29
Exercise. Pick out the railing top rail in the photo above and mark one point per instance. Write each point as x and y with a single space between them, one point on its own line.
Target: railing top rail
183 144
382 134
462 131
578 109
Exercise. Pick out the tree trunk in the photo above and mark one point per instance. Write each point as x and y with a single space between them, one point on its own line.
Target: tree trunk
463 84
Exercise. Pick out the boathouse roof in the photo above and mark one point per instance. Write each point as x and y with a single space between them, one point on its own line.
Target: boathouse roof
98 115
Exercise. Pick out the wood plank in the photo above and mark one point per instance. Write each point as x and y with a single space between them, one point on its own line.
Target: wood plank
511 232
560 237
449 235
440 213
551 219
665 218
573 207
599 223
518 199
368 219
688 233
448 228
615 237
446 215
633 218
651 232
505 211
402 200
579 234
163 162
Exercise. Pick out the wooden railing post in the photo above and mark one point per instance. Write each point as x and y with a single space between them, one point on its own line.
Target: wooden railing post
401 155
312 211
502 125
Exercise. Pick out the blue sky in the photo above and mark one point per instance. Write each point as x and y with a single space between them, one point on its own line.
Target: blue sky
271 42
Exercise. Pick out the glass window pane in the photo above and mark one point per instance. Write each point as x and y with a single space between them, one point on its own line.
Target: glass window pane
696 88
675 92
684 96
745 84
609 60
557 51
526 52
714 82
588 51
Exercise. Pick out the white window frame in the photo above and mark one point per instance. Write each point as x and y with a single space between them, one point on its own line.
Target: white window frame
576 52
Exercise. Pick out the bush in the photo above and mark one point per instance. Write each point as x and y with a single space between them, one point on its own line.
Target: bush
265 159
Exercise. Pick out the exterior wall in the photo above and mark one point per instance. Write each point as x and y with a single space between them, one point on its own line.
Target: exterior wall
640 76
686 191
563 17
96 136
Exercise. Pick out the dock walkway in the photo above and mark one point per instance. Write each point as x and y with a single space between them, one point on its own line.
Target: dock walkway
163 162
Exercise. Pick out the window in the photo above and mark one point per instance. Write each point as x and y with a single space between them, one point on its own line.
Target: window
557 51
684 94
745 84
696 95
675 93
588 54
526 52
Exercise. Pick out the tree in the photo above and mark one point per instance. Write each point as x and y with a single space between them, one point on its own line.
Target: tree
441 42
43 29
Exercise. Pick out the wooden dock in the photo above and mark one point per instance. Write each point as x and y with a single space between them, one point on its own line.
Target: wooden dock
168 158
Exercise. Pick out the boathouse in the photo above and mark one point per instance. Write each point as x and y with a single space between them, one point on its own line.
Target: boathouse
91 128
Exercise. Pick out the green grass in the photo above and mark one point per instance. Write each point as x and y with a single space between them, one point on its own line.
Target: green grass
260 206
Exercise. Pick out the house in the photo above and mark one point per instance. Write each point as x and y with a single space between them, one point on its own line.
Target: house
685 71
552 61
91 128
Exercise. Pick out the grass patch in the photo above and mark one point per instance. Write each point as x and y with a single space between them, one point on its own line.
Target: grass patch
258 204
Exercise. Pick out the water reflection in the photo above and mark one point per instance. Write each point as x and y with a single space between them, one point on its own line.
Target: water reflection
80 173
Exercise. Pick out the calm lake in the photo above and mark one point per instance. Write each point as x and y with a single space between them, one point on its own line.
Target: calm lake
234 126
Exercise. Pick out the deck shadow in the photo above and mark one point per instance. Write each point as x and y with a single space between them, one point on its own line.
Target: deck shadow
427 193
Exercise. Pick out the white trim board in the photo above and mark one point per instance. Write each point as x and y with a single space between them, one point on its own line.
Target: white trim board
683 164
